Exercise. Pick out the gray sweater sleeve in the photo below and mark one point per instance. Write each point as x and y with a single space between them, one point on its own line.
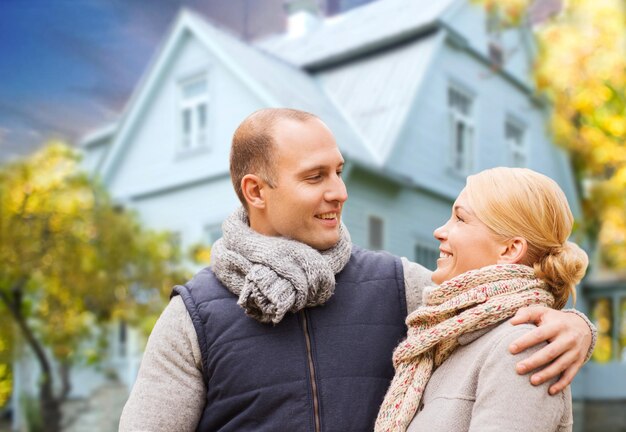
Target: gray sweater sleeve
169 393
416 277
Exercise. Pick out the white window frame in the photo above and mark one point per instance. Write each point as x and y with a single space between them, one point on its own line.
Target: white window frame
518 149
461 162
196 138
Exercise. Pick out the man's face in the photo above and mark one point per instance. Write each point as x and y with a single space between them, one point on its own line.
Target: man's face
307 201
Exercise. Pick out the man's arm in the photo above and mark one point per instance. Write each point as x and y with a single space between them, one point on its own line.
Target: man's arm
571 338
169 393
505 401
416 277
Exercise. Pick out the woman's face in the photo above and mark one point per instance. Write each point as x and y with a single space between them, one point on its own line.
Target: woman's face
466 243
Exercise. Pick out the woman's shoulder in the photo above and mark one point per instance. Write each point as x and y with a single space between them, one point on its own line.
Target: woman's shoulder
505 333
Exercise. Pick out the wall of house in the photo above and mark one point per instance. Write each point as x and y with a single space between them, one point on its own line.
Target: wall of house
470 20
423 146
409 215
152 159
191 212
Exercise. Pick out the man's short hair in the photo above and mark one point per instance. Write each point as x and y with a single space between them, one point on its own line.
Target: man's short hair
252 149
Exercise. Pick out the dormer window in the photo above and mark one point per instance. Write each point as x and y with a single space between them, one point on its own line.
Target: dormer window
495 48
194 107
496 53
460 106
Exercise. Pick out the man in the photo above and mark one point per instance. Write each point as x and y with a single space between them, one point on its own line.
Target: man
292 328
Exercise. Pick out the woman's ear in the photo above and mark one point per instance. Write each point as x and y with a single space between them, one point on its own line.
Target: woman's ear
252 188
514 251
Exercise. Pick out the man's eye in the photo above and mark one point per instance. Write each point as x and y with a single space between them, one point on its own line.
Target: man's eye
315 178
339 173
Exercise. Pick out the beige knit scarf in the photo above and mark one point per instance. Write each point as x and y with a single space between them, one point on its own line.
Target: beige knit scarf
471 301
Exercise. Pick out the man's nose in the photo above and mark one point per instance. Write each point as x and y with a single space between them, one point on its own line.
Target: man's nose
337 191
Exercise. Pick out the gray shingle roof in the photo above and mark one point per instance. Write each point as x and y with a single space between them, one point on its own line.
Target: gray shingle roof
362 28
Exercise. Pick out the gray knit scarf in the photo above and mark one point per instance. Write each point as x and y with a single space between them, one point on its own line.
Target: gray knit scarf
275 275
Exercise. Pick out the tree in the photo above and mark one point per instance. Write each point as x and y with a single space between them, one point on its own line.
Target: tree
70 260
6 374
581 68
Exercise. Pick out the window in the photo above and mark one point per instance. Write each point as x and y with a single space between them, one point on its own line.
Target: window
375 233
461 130
622 329
122 338
602 317
514 134
194 105
496 53
495 47
426 256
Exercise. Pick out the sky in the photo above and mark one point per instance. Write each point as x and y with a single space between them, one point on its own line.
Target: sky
69 66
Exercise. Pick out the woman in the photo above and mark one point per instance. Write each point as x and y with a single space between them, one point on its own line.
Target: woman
504 247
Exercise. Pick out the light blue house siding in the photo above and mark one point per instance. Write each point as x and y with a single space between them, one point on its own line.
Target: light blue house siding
409 214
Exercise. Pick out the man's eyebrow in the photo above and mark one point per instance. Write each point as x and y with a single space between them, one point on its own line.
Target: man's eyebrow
319 168
460 207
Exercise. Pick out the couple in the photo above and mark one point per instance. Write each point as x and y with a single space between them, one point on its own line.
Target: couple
292 328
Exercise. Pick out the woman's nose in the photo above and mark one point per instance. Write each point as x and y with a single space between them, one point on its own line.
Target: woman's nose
440 233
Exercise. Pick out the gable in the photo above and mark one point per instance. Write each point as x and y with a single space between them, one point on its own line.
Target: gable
152 155
470 22
242 80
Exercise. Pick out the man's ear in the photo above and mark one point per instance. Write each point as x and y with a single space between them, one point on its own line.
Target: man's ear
252 187
513 251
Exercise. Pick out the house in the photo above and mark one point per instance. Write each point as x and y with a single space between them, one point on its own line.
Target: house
419 94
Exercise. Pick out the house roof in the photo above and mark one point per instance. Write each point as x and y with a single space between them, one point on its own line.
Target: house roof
379 110
360 30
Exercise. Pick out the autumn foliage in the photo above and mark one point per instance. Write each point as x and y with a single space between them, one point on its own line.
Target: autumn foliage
71 261
581 68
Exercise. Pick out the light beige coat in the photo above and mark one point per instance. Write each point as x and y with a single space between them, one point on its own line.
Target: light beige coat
477 389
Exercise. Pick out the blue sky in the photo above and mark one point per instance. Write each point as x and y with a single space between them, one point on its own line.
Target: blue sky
69 66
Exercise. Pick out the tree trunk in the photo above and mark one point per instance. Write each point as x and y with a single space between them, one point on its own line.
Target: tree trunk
66 384
50 406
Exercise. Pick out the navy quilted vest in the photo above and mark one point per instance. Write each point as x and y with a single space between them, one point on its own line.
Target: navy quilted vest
259 376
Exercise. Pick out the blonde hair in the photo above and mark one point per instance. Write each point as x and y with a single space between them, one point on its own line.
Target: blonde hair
519 202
